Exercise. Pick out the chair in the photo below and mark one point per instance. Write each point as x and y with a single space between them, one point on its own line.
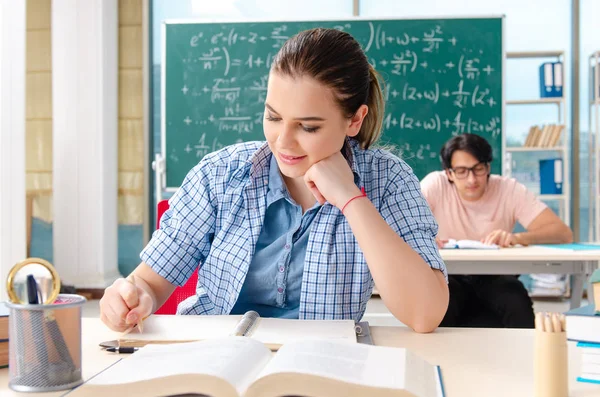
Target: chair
180 293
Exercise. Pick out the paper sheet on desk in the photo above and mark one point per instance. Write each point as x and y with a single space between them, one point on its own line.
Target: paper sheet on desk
469 244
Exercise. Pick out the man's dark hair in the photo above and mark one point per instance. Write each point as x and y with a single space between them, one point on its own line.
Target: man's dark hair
473 144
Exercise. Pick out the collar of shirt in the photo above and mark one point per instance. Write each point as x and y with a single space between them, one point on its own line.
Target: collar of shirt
277 188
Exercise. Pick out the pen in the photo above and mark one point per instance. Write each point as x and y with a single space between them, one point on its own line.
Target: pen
37 321
32 290
122 350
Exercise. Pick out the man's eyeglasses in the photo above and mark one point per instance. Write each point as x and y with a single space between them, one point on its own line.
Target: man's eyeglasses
478 169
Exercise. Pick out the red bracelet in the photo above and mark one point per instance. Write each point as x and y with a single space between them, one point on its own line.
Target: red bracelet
362 194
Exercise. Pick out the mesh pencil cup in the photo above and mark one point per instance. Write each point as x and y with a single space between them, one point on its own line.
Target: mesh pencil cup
45 345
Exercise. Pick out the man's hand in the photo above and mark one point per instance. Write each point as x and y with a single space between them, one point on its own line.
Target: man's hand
501 238
440 243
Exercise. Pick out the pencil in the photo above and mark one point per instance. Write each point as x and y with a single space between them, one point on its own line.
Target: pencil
556 323
539 323
548 323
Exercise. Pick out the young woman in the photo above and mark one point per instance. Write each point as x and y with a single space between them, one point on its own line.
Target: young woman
301 226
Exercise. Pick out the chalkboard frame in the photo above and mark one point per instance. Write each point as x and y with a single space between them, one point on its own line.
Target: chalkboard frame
160 163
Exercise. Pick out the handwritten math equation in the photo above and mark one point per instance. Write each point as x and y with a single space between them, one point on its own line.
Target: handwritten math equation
225 78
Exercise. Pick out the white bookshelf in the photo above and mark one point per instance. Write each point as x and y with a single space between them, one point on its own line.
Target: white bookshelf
534 149
562 149
594 144
539 101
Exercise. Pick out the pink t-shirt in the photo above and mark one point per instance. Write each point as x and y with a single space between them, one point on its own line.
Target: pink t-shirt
504 202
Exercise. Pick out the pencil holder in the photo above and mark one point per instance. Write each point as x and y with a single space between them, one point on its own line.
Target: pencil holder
550 364
45 345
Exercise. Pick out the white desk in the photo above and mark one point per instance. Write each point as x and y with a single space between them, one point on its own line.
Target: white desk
526 260
475 361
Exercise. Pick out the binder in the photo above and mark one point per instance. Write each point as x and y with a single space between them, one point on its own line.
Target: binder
551 176
551 80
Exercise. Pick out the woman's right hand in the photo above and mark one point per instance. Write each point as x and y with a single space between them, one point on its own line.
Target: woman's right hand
124 304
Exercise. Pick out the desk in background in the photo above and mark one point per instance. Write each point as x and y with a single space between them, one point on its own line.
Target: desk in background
526 260
475 361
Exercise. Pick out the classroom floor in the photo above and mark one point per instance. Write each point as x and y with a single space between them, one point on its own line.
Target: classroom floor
378 314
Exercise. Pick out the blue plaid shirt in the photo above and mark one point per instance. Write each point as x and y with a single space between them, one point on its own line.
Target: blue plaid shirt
274 279
216 216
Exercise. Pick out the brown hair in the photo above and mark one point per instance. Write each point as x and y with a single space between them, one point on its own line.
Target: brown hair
335 59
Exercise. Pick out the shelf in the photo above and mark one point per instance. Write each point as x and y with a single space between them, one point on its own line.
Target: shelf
540 101
535 149
535 54
552 196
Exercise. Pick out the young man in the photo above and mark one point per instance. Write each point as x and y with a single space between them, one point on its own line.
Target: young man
469 203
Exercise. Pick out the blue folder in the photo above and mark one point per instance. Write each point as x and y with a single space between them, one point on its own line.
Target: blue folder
551 80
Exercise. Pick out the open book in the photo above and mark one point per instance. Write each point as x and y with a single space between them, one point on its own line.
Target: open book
273 332
239 366
469 244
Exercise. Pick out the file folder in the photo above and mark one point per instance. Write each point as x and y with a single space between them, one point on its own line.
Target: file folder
551 176
551 80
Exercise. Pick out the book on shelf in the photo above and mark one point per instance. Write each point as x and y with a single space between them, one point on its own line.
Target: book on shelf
273 332
244 367
546 137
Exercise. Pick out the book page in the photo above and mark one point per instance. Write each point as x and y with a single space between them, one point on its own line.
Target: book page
169 328
235 359
278 331
271 331
374 366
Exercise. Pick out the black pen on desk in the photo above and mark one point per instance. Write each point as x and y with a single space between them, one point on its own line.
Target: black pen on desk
121 350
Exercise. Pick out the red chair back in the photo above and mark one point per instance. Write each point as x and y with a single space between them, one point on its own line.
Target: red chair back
180 293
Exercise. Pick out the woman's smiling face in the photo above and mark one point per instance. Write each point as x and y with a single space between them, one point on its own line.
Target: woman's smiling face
302 123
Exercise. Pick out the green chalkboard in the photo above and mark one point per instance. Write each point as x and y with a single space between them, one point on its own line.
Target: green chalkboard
442 76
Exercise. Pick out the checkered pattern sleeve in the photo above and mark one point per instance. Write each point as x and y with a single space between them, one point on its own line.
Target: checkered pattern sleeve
183 241
405 209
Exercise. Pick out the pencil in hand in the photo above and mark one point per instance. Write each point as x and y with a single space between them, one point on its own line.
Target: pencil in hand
140 324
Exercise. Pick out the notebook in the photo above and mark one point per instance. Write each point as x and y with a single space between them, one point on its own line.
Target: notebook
572 246
244 367
590 362
273 332
469 244
4 312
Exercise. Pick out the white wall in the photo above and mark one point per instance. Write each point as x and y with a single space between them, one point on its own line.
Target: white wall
12 137
84 96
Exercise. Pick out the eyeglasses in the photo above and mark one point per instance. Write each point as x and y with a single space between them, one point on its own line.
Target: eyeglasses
478 169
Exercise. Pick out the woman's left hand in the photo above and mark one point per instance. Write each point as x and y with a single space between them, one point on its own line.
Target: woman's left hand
332 180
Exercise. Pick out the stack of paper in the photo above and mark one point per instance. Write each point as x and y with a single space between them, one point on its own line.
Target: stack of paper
548 285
